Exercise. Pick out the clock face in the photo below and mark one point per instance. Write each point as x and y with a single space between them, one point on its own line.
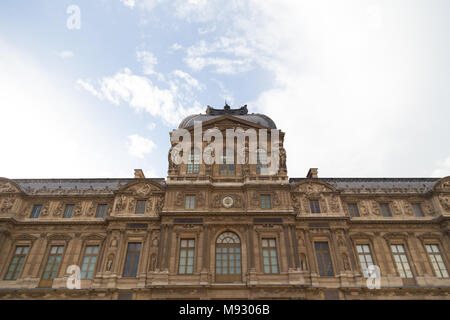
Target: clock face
227 201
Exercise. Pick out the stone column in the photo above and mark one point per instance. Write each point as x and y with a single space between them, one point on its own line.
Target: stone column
288 246
295 246
162 241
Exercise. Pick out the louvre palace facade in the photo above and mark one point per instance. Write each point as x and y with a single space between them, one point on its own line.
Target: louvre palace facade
219 231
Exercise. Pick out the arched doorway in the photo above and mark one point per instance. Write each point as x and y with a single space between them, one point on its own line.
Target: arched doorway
228 258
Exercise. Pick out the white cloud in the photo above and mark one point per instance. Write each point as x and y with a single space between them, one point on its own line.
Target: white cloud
148 61
129 3
190 82
141 94
225 94
443 169
239 56
47 132
151 126
65 54
176 46
140 146
143 4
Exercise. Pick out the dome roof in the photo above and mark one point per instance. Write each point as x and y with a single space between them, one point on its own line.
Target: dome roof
241 113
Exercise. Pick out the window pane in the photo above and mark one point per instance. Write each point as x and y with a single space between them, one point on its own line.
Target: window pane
132 260
323 259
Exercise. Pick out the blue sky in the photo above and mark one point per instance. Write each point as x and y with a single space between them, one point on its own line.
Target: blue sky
361 88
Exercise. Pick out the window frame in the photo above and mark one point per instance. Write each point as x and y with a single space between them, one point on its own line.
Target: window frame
191 204
387 206
260 165
227 169
68 205
105 206
408 260
33 213
418 205
329 255
265 201
316 208
137 209
11 257
270 249
83 255
187 249
438 245
370 253
193 165
350 212
228 277
129 274
43 282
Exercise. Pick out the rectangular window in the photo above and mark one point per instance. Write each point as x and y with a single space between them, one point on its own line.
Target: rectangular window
365 258
132 259
16 262
417 209
265 201
401 261
187 250
101 211
190 202
385 210
270 259
89 261
68 211
261 161
353 209
227 167
323 259
436 260
314 206
36 211
140 207
193 165
53 262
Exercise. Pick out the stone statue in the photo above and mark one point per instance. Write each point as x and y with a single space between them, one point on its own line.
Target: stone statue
345 262
109 263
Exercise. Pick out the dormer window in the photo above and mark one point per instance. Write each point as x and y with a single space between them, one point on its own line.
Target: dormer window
385 210
140 207
314 206
417 209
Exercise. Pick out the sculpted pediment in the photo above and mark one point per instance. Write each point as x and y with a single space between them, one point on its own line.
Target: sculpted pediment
7 186
310 187
443 185
141 189
228 121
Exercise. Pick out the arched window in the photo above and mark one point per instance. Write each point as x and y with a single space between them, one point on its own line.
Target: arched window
193 165
228 257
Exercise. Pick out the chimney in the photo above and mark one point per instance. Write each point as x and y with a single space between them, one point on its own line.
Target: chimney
139 174
312 173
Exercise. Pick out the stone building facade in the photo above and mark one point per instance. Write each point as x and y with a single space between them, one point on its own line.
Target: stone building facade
225 231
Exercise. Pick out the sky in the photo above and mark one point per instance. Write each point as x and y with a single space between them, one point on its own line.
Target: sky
91 89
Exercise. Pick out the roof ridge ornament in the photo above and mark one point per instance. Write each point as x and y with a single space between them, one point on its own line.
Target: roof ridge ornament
226 110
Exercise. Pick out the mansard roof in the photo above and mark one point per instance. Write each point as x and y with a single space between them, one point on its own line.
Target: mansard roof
33 186
241 113
424 184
